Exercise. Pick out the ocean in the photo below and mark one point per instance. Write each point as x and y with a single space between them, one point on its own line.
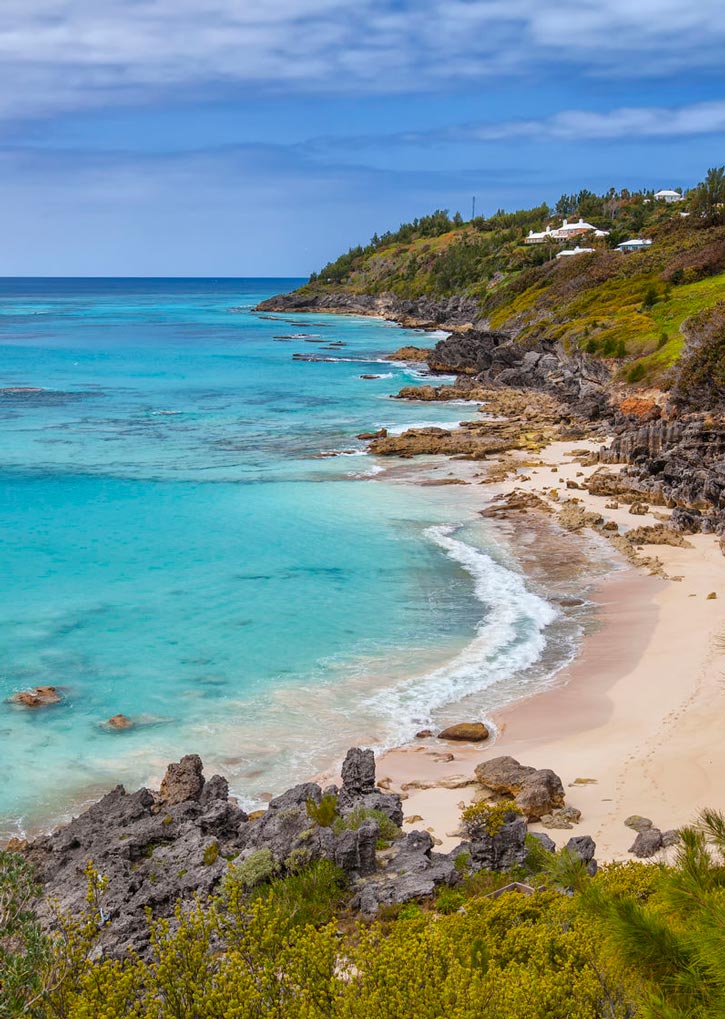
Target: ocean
180 545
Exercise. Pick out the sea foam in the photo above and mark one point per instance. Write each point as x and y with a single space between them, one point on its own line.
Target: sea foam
509 639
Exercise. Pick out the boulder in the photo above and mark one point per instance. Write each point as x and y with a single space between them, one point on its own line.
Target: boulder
671 837
466 732
584 847
412 871
358 772
647 843
540 794
562 817
182 781
548 843
502 851
637 823
503 775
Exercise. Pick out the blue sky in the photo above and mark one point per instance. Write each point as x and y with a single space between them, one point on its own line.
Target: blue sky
230 137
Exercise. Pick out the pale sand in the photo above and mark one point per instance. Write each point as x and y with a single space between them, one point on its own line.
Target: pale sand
641 711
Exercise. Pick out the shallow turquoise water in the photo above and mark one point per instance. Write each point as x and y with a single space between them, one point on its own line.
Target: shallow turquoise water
175 549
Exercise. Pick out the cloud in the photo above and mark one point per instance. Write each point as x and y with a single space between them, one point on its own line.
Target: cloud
68 54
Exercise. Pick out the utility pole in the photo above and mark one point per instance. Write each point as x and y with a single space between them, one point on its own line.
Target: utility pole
473 208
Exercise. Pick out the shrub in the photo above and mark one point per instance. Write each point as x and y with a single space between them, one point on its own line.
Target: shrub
257 867
650 297
324 812
636 373
211 853
488 818
311 895
448 900
389 831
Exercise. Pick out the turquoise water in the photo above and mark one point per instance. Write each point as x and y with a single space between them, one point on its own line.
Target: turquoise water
175 548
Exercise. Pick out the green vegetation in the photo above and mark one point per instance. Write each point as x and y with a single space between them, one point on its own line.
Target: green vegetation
324 812
609 304
389 831
638 941
488 818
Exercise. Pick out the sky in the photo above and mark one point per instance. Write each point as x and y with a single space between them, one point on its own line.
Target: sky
264 137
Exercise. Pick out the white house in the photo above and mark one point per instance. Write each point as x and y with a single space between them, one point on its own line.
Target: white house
636 244
541 237
574 251
567 229
668 196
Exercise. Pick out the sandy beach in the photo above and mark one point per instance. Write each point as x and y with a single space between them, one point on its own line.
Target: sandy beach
638 714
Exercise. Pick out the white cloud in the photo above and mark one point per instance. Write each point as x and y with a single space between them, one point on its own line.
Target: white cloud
61 54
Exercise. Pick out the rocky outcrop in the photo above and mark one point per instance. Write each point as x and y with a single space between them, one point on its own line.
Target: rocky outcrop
496 360
424 313
678 462
535 791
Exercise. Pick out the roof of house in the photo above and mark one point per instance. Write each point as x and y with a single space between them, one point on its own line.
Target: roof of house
665 193
635 242
575 251
580 225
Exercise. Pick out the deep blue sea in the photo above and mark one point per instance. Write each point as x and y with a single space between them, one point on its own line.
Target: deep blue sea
174 547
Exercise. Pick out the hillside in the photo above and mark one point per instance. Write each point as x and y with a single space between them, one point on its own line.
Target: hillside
636 310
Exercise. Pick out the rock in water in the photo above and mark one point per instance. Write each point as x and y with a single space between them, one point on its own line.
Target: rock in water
182 781
119 722
38 697
467 732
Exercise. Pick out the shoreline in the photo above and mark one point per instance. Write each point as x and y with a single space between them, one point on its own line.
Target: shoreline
637 713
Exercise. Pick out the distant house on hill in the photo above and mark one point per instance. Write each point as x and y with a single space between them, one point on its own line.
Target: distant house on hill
541 237
565 232
668 196
636 244
567 229
575 251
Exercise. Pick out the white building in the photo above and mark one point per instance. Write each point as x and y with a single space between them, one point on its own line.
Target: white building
540 238
574 251
567 229
636 244
668 196
565 232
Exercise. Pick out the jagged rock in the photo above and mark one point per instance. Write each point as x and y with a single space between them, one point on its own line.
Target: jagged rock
657 535
639 509
540 793
584 847
410 354
182 781
548 843
503 775
151 857
413 871
424 734
468 732
562 817
369 436
647 843
502 851
358 788
425 312
637 823
38 697
671 837
358 771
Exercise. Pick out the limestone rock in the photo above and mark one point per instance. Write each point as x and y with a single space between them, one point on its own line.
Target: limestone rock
540 793
562 817
469 732
671 837
584 847
502 851
38 697
637 823
503 775
548 843
119 722
182 781
358 771
647 843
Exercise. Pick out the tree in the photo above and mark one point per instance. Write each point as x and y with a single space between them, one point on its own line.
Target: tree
708 198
